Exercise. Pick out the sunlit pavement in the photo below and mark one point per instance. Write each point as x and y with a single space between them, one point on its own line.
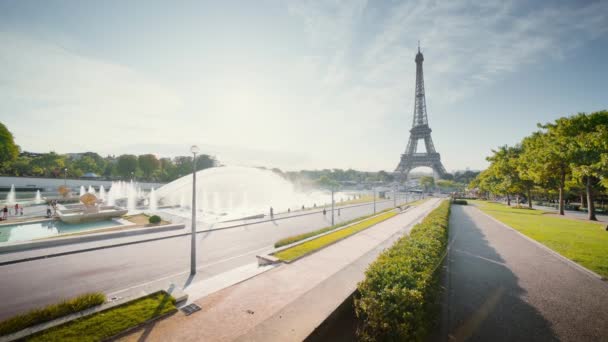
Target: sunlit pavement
286 303
503 287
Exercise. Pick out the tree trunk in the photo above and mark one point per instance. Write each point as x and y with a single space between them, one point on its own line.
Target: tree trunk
529 198
508 200
561 193
590 205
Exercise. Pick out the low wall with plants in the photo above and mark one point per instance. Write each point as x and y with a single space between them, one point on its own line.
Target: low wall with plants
397 300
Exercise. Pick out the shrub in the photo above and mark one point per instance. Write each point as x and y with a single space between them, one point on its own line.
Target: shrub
459 201
397 299
154 219
51 312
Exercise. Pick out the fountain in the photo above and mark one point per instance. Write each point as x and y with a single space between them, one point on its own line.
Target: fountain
11 197
153 202
131 196
234 192
82 191
38 198
90 209
91 190
102 193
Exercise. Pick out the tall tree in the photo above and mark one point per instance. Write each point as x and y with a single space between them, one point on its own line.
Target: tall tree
427 182
127 164
547 159
8 149
148 163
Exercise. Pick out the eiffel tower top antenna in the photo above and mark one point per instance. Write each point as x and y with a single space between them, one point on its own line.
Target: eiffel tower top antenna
418 46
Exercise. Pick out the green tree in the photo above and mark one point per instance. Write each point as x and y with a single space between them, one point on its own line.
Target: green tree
8 149
427 182
584 137
547 161
126 165
148 163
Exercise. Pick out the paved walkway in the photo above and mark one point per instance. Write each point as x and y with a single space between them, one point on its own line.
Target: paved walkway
288 302
503 287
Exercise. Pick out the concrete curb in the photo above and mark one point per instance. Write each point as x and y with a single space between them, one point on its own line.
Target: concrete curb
573 264
269 258
36 219
54 242
179 297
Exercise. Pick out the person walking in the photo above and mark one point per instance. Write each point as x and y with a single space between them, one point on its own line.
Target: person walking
5 212
324 211
16 209
271 213
21 208
48 210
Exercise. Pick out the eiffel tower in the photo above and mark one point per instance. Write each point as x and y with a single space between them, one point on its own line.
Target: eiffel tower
420 130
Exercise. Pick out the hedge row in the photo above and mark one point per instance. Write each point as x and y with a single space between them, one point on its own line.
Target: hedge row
51 312
397 300
295 238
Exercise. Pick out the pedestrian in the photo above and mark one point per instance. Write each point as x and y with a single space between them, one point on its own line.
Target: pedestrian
21 208
288 210
48 210
16 209
271 213
302 206
5 212
324 212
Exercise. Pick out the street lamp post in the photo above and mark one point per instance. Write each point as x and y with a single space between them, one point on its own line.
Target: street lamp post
65 176
194 150
374 190
332 206
394 196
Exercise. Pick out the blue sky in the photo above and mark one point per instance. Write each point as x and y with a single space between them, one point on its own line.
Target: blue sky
300 84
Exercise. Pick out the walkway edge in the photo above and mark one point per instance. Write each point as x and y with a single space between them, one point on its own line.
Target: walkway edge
573 264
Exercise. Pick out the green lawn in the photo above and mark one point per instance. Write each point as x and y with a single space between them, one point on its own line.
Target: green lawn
584 242
301 249
108 323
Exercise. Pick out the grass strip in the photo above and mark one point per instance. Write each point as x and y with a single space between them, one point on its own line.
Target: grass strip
295 238
397 300
308 246
110 322
51 312
583 242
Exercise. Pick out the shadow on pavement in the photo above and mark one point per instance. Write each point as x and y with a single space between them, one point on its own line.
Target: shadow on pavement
484 300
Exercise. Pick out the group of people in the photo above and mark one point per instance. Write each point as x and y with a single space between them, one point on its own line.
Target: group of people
7 210
49 205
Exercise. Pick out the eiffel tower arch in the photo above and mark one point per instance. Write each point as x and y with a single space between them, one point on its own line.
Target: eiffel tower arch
420 131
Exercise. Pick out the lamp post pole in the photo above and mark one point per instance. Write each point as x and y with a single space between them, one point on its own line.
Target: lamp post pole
374 190
194 150
65 176
332 206
394 196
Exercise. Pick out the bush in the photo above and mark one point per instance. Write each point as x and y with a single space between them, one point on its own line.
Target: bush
460 202
51 312
397 300
154 219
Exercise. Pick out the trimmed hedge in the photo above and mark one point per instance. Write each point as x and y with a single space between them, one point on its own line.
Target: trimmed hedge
51 312
459 201
397 300
295 238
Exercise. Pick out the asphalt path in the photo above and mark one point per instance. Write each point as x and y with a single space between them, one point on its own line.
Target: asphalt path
31 284
505 287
